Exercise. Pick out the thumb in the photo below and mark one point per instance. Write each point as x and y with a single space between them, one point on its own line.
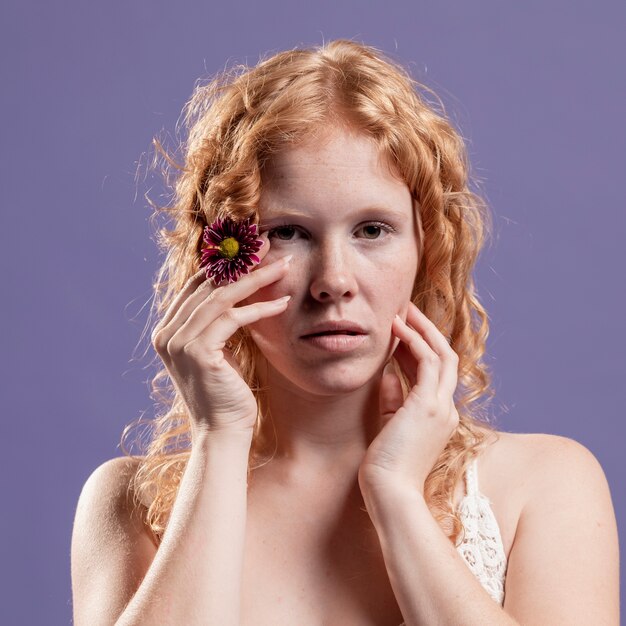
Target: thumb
390 397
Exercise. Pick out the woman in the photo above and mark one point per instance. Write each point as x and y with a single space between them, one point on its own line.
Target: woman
323 457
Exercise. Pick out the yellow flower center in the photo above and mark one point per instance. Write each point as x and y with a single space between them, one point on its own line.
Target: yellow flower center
229 247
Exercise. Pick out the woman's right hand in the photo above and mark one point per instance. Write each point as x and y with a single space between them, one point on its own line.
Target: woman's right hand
191 339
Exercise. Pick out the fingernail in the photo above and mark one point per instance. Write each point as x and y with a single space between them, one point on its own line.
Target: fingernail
287 258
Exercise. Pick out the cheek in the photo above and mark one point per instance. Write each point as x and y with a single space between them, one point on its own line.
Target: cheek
390 300
394 283
286 286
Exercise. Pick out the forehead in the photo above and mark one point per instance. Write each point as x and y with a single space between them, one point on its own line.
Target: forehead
339 167
337 151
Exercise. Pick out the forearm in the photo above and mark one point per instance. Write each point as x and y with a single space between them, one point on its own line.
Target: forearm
431 582
195 577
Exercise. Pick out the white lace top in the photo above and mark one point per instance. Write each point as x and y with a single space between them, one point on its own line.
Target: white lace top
482 547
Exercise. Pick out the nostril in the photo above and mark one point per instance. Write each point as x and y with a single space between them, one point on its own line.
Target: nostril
326 288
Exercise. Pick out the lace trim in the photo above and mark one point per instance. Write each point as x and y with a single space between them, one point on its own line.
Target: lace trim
481 548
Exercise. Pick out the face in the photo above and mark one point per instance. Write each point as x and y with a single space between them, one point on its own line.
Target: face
351 228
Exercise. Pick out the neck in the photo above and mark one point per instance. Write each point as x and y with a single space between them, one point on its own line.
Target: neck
318 434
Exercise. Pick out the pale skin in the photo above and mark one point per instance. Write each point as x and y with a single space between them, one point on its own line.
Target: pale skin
335 529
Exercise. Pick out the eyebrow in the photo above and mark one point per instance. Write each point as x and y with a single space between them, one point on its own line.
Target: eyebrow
292 214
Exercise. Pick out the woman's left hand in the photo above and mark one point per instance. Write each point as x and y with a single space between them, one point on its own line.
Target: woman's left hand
416 430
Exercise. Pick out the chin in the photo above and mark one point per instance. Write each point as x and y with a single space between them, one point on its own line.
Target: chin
327 380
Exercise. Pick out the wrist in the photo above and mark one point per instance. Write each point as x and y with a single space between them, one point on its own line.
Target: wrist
384 501
383 485
222 440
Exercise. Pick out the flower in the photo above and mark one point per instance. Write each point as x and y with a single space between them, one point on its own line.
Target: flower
228 249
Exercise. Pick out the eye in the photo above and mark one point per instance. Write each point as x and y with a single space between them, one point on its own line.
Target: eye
285 232
373 230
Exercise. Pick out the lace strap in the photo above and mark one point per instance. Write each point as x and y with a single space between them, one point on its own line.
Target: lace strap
471 478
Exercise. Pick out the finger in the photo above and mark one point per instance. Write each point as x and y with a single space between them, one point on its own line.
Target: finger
429 331
439 344
428 363
232 319
204 307
192 284
199 280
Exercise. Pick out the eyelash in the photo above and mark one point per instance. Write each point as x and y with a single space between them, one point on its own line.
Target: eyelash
386 227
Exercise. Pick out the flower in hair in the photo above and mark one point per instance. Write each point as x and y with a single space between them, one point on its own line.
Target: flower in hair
228 249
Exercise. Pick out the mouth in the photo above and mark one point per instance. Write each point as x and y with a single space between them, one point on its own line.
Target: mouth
336 327
325 333
335 337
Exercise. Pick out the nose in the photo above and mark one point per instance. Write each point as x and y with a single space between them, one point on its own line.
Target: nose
333 273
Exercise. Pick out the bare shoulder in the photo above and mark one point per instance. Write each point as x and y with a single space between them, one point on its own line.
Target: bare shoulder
111 547
544 462
114 478
119 469
562 471
565 554
108 498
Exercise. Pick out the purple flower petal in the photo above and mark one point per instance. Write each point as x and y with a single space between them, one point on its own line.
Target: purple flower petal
218 263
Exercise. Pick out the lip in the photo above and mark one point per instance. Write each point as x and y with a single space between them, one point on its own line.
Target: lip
339 327
335 336
334 343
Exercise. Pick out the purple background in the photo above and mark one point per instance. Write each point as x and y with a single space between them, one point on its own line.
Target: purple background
537 89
